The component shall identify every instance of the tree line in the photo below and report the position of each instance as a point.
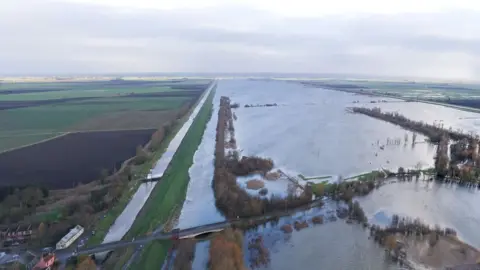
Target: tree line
(226, 251)
(232, 200)
(433, 132)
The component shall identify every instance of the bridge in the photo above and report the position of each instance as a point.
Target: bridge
(146, 180)
(180, 234)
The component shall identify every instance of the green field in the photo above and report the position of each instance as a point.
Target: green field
(107, 104)
(410, 89)
(58, 117)
(100, 92)
(169, 192)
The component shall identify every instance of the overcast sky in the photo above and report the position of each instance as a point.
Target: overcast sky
(408, 38)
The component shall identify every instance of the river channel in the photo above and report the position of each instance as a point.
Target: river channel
(310, 132)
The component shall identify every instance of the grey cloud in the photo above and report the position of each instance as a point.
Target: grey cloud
(56, 37)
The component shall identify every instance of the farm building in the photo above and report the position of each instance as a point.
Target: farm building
(70, 237)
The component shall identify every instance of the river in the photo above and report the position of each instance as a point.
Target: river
(310, 132)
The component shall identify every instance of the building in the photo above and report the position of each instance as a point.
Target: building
(17, 234)
(46, 262)
(70, 237)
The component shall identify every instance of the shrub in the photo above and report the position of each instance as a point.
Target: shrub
(287, 228)
(300, 225)
(255, 184)
(317, 220)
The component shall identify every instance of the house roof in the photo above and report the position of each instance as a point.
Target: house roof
(45, 262)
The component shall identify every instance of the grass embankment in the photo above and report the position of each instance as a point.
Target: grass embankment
(140, 172)
(306, 178)
(366, 176)
(167, 194)
(319, 189)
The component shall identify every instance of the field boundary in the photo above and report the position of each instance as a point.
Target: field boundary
(61, 134)
(35, 143)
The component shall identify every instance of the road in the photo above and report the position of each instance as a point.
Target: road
(186, 233)
(191, 232)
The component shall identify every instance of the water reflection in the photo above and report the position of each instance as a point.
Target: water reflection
(311, 133)
(448, 205)
(330, 246)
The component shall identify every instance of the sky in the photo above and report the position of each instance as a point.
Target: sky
(408, 38)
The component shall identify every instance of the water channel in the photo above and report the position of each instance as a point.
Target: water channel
(127, 217)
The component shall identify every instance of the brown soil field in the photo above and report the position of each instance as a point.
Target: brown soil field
(26, 91)
(69, 160)
(6, 105)
(182, 93)
(127, 120)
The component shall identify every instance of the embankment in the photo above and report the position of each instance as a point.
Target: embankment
(119, 218)
(169, 192)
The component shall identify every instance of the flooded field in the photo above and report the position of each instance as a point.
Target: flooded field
(430, 113)
(447, 205)
(310, 132)
(199, 206)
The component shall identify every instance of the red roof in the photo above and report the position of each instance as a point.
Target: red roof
(45, 262)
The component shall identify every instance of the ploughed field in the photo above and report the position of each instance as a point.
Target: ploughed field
(60, 134)
(32, 112)
(71, 159)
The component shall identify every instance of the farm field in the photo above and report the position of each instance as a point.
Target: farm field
(71, 159)
(405, 89)
(29, 112)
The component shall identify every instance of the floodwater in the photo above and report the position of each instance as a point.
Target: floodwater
(447, 205)
(127, 217)
(337, 245)
(199, 206)
(435, 114)
(311, 133)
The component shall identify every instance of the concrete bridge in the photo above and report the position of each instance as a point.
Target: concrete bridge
(181, 234)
